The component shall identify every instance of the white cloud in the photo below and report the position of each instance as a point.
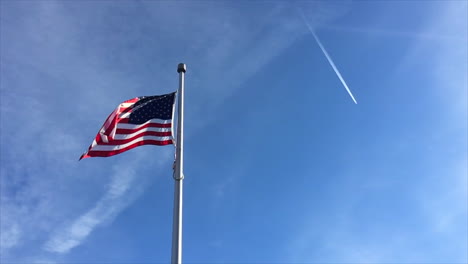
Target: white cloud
(10, 235)
(116, 198)
(438, 197)
(62, 73)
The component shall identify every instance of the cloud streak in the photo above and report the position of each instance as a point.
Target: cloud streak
(121, 192)
(437, 189)
(105, 210)
(111, 66)
(332, 64)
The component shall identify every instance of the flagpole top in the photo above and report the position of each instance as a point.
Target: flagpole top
(181, 67)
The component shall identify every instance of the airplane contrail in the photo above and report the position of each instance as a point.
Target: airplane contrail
(328, 57)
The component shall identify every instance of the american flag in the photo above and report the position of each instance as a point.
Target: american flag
(145, 120)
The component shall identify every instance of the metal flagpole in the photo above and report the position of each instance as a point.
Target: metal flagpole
(178, 173)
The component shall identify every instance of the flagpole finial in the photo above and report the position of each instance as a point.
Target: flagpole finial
(181, 67)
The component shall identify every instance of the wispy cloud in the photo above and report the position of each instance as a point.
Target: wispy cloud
(434, 195)
(81, 55)
(332, 64)
(392, 33)
(118, 195)
(41, 177)
(10, 235)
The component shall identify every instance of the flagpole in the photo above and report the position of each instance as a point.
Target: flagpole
(176, 257)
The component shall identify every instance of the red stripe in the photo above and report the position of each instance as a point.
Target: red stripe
(115, 152)
(118, 111)
(126, 119)
(125, 141)
(130, 131)
(133, 100)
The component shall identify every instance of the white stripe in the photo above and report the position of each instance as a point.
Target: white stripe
(126, 105)
(155, 129)
(117, 147)
(172, 125)
(117, 110)
(126, 114)
(136, 126)
(108, 121)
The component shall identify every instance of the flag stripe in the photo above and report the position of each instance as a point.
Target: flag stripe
(151, 123)
(103, 147)
(126, 138)
(114, 116)
(132, 131)
(107, 153)
(125, 120)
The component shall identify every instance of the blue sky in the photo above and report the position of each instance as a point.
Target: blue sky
(281, 166)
